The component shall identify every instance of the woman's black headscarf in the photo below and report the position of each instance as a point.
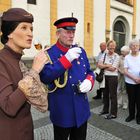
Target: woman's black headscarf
(6, 29)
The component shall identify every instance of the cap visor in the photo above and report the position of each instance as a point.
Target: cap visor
(69, 28)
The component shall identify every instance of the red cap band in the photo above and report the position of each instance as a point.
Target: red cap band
(66, 24)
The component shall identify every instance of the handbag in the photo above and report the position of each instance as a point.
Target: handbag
(100, 76)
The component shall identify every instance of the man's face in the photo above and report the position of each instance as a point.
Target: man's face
(103, 46)
(66, 37)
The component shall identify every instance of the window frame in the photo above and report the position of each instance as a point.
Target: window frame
(125, 2)
(118, 35)
(31, 1)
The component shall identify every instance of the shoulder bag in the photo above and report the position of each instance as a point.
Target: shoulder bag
(100, 76)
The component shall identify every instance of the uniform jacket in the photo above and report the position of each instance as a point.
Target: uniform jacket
(15, 117)
(67, 106)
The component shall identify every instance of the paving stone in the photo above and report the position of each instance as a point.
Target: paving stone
(93, 133)
(98, 127)
(122, 115)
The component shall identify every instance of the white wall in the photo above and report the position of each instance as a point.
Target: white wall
(65, 8)
(138, 20)
(19, 4)
(99, 24)
(41, 13)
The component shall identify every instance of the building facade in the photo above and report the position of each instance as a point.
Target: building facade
(99, 20)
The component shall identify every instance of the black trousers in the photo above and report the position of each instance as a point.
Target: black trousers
(110, 95)
(133, 92)
(73, 133)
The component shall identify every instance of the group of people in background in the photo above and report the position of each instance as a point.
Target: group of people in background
(121, 79)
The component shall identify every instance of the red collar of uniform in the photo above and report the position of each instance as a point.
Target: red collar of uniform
(61, 47)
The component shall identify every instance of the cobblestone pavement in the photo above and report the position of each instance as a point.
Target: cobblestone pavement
(98, 127)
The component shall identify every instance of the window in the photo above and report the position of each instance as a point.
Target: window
(128, 2)
(31, 1)
(124, 1)
(88, 27)
(119, 35)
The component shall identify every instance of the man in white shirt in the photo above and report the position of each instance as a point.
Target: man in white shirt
(100, 90)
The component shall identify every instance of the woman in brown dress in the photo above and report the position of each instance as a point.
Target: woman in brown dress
(15, 116)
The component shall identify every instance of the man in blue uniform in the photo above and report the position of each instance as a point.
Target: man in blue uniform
(69, 78)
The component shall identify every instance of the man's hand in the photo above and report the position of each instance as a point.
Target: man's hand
(85, 86)
(73, 53)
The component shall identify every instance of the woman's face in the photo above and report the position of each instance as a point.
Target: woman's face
(134, 47)
(21, 37)
(111, 48)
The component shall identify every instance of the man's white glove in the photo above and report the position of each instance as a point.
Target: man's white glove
(73, 53)
(85, 86)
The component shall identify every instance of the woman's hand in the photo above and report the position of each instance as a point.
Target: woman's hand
(39, 61)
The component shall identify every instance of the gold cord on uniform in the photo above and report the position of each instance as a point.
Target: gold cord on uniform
(56, 82)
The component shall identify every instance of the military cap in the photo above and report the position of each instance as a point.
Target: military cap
(68, 23)
(18, 15)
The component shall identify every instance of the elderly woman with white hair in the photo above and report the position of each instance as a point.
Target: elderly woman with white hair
(132, 80)
(122, 96)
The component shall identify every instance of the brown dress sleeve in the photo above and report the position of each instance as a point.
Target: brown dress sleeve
(33, 89)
